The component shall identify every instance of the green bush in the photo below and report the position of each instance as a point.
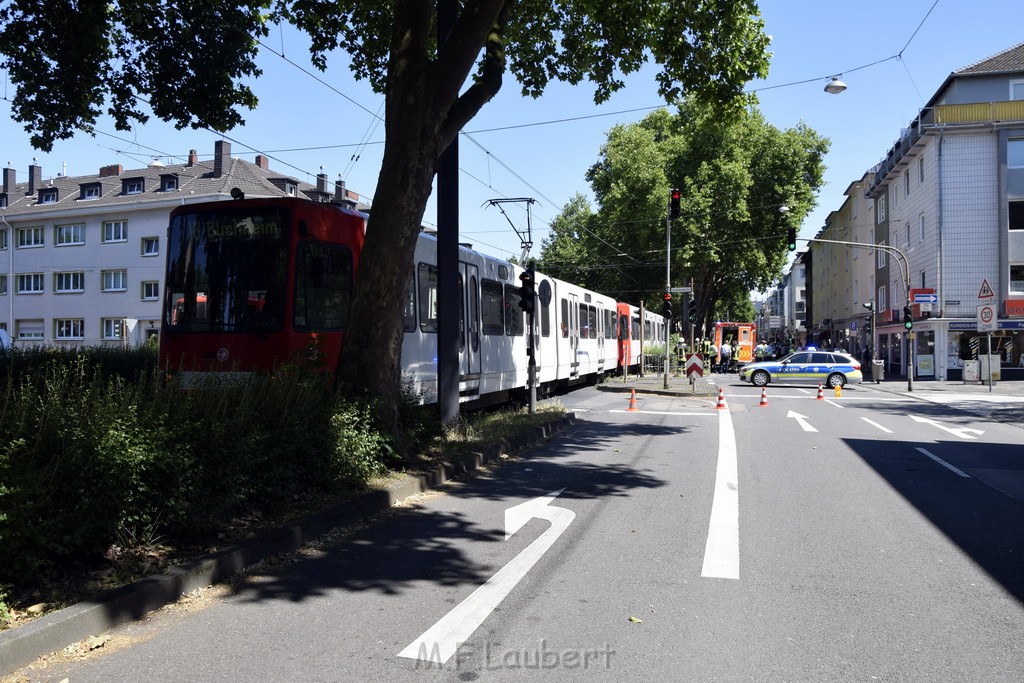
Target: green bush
(94, 450)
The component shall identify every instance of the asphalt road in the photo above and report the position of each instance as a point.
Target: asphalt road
(867, 536)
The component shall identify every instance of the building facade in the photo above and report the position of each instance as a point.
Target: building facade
(82, 258)
(949, 202)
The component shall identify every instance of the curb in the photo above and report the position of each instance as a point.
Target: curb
(23, 645)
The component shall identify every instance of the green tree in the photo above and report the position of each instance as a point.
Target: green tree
(188, 61)
(734, 172)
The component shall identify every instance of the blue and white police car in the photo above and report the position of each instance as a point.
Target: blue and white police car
(831, 368)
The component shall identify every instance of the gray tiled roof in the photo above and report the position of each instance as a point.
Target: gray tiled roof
(196, 181)
(1009, 60)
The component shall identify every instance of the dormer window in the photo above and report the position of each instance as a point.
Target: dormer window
(133, 186)
(89, 191)
(48, 196)
(168, 182)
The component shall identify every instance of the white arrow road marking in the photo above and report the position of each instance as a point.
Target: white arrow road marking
(801, 420)
(722, 550)
(441, 640)
(875, 424)
(944, 463)
(962, 432)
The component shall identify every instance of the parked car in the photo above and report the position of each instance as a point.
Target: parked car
(831, 368)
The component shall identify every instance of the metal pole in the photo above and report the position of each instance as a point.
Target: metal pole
(668, 285)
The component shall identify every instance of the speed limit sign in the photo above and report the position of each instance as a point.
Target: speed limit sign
(987, 318)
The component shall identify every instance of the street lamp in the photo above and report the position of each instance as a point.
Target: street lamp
(835, 86)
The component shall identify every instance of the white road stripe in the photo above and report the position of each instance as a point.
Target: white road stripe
(831, 402)
(945, 464)
(722, 550)
(875, 424)
(655, 412)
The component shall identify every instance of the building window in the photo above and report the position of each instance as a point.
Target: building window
(89, 192)
(3, 239)
(132, 186)
(1016, 215)
(3, 284)
(113, 328)
(290, 189)
(920, 169)
(65, 283)
(168, 183)
(48, 196)
(28, 329)
(922, 280)
(115, 231)
(920, 221)
(150, 246)
(69, 329)
(881, 299)
(1017, 90)
(30, 283)
(895, 194)
(69, 234)
(1015, 153)
(880, 208)
(151, 290)
(30, 237)
(1017, 278)
(114, 280)
(881, 255)
(906, 183)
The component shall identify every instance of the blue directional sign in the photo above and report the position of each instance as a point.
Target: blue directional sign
(926, 298)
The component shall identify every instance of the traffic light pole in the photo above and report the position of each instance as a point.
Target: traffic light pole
(904, 265)
(668, 284)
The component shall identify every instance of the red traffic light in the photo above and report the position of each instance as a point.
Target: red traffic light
(666, 296)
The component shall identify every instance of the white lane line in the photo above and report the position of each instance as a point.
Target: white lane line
(722, 550)
(831, 402)
(875, 424)
(945, 464)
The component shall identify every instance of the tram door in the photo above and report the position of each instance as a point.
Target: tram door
(574, 335)
(469, 322)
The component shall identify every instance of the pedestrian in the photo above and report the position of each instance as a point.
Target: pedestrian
(725, 357)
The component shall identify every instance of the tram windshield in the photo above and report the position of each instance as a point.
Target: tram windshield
(227, 270)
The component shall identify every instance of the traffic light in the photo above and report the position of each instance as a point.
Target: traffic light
(867, 327)
(666, 306)
(870, 305)
(908, 317)
(791, 238)
(674, 205)
(527, 293)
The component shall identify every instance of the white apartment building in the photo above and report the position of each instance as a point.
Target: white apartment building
(82, 258)
(949, 196)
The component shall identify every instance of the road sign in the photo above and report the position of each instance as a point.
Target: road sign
(986, 290)
(694, 365)
(680, 290)
(987, 318)
(926, 298)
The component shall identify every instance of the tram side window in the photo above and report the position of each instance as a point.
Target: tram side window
(323, 287)
(565, 319)
(623, 328)
(545, 318)
(492, 305)
(427, 290)
(514, 326)
(592, 321)
(409, 324)
(609, 324)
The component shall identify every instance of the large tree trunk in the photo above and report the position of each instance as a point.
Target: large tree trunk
(423, 113)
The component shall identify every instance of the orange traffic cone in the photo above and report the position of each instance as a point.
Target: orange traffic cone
(821, 393)
(764, 397)
(721, 399)
(632, 402)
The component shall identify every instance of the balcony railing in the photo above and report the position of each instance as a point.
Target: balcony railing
(948, 116)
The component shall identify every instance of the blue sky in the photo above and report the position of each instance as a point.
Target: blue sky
(521, 147)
